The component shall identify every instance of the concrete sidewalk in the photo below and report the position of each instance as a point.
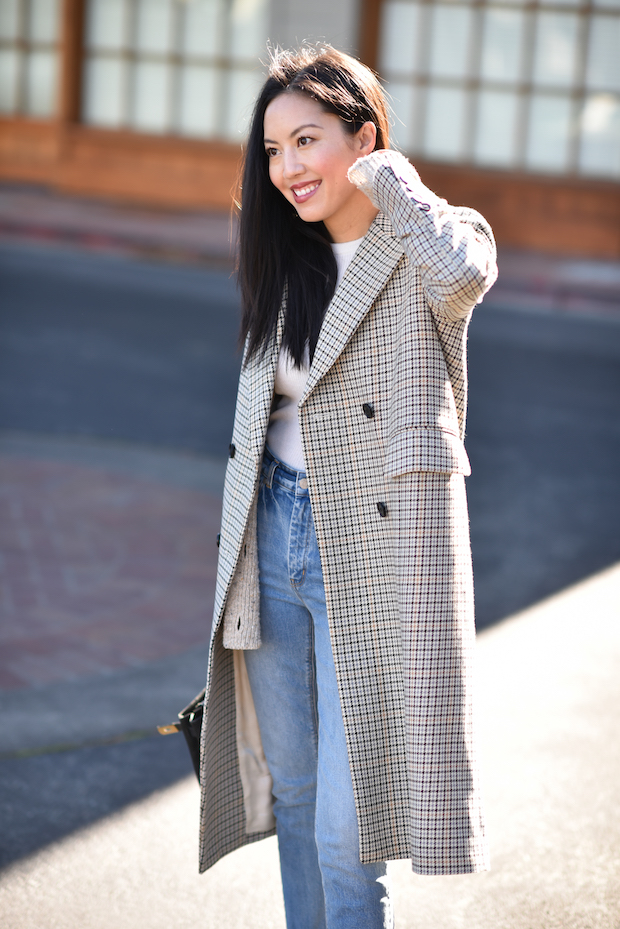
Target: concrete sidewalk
(548, 717)
(29, 213)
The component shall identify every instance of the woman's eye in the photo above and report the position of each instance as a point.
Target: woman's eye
(304, 139)
(270, 152)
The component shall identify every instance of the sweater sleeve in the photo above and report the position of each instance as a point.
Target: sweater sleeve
(453, 247)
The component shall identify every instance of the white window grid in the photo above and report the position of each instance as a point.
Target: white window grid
(175, 67)
(542, 96)
(29, 57)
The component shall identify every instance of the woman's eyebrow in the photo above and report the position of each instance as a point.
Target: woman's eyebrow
(295, 131)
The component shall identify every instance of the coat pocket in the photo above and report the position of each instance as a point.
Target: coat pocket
(426, 448)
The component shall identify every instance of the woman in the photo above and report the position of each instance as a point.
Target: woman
(339, 689)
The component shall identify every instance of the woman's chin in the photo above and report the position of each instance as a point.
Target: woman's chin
(308, 213)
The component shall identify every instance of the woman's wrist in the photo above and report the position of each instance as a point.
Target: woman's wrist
(363, 172)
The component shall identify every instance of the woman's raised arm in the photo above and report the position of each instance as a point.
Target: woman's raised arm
(453, 247)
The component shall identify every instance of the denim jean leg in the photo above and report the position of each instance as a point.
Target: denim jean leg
(293, 680)
(282, 678)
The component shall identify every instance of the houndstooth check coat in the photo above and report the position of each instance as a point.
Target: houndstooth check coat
(382, 421)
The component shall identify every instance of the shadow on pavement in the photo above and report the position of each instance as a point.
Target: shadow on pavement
(49, 796)
(544, 442)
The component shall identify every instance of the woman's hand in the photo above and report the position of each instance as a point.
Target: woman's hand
(362, 172)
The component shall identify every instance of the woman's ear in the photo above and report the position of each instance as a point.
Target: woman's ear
(366, 139)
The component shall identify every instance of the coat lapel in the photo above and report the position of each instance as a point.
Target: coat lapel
(365, 277)
(261, 380)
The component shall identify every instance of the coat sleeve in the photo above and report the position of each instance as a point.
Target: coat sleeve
(453, 247)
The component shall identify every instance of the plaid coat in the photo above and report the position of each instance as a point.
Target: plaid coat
(382, 421)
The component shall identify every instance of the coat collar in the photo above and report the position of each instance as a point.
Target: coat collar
(364, 279)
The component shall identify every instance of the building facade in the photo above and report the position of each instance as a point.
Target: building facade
(512, 106)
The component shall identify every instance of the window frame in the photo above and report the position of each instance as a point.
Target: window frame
(526, 90)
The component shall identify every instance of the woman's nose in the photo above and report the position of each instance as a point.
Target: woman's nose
(292, 165)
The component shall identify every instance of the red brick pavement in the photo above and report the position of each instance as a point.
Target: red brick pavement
(99, 570)
(174, 235)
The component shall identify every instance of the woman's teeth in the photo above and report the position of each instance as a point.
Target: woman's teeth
(302, 191)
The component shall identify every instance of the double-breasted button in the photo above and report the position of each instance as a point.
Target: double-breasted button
(369, 410)
(231, 450)
(382, 509)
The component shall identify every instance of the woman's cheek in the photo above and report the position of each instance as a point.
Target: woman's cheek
(273, 175)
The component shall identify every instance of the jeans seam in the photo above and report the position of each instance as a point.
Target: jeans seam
(312, 686)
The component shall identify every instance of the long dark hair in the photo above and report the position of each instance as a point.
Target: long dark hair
(276, 248)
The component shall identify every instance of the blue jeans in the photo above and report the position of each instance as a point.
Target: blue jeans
(293, 681)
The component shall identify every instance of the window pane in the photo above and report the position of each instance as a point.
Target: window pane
(603, 72)
(402, 99)
(400, 24)
(150, 104)
(104, 92)
(154, 25)
(248, 23)
(450, 41)
(242, 89)
(445, 110)
(548, 135)
(202, 27)
(197, 111)
(496, 132)
(556, 49)
(44, 20)
(106, 24)
(9, 19)
(600, 136)
(502, 43)
(41, 84)
(9, 63)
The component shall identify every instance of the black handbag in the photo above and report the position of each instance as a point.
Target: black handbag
(190, 724)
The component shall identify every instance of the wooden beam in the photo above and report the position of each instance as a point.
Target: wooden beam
(71, 49)
(369, 32)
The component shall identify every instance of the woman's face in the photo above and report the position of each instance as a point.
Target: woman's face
(309, 153)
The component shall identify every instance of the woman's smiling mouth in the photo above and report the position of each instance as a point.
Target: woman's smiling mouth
(303, 193)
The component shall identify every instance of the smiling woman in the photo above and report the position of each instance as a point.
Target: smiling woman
(308, 164)
(339, 694)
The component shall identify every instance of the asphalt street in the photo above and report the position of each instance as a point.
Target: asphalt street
(130, 367)
(107, 347)
(145, 354)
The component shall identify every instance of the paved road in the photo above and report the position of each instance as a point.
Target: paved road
(145, 354)
(116, 349)
(121, 376)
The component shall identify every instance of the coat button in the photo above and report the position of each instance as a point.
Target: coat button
(217, 539)
(369, 410)
(382, 509)
(231, 450)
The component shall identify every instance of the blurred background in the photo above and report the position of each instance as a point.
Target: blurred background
(121, 126)
(511, 106)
